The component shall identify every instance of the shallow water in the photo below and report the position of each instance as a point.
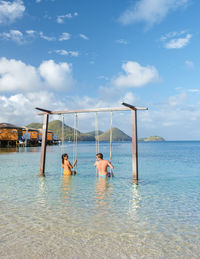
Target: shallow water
(86, 217)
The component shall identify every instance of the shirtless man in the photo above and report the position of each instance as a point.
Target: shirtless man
(102, 165)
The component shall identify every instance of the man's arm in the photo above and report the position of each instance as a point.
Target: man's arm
(110, 165)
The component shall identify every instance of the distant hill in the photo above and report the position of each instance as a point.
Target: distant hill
(117, 135)
(152, 138)
(93, 133)
(56, 127)
(35, 125)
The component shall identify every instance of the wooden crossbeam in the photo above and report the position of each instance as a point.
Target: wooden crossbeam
(89, 110)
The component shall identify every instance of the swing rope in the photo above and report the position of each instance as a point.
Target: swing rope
(111, 117)
(110, 136)
(96, 137)
(75, 139)
(96, 133)
(62, 139)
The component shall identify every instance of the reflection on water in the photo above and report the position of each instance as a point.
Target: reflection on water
(136, 199)
(66, 185)
(103, 190)
(9, 150)
(19, 149)
(42, 190)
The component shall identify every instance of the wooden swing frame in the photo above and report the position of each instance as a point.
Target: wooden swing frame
(127, 107)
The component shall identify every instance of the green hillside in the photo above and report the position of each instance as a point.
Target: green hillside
(93, 133)
(35, 125)
(56, 127)
(117, 135)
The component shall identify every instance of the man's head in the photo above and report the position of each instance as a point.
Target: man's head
(99, 156)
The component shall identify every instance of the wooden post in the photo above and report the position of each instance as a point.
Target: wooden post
(134, 145)
(44, 144)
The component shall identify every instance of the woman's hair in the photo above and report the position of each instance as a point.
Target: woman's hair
(99, 155)
(63, 157)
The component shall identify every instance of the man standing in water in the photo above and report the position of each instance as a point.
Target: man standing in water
(102, 165)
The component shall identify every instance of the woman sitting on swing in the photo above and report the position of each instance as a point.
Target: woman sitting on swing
(66, 165)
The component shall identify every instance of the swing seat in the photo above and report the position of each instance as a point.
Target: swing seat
(110, 174)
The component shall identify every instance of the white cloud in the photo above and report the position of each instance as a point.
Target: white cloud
(179, 42)
(103, 77)
(189, 64)
(18, 76)
(11, 11)
(83, 36)
(122, 41)
(150, 11)
(136, 75)
(13, 35)
(129, 97)
(20, 108)
(42, 36)
(172, 34)
(73, 53)
(167, 119)
(175, 119)
(12, 76)
(63, 52)
(64, 36)
(21, 38)
(61, 18)
(31, 33)
(177, 99)
(56, 76)
(194, 90)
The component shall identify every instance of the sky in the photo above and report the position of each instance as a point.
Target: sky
(74, 54)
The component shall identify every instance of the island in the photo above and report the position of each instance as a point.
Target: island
(152, 138)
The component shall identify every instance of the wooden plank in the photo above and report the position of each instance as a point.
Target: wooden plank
(44, 144)
(43, 110)
(133, 107)
(92, 110)
(134, 145)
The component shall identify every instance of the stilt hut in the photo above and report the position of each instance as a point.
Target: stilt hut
(50, 137)
(31, 136)
(9, 134)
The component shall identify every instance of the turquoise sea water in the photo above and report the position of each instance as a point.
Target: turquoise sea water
(86, 217)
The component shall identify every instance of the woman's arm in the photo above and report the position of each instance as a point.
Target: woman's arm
(75, 162)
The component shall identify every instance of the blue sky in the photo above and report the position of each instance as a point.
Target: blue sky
(75, 54)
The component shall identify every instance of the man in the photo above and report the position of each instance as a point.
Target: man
(102, 165)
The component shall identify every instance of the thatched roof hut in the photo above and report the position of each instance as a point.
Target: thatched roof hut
(9, 126)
